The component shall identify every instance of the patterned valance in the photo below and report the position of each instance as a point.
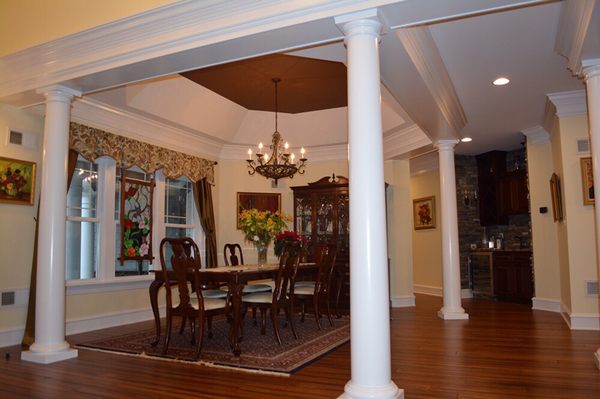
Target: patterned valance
(93, 143)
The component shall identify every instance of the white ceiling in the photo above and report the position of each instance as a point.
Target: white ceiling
(437, 61)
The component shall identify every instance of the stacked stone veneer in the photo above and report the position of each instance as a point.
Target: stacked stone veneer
(470, 230)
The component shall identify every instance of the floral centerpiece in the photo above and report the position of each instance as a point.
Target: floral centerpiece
(260, 227)
(287, 236)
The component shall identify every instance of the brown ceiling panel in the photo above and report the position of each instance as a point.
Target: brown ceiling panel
(306, 84)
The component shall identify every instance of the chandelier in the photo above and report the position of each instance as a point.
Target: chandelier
(281, 163)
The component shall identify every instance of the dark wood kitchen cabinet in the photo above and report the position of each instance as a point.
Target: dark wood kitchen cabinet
(513, 195)
(513, 276)
(321, 214)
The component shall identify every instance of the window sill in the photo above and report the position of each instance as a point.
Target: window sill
(92, 286)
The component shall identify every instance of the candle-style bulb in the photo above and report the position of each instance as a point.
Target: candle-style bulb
(302, 152)
(292, 157)
(286, 146)
(266, 158)
(249, 154)
(260, 146)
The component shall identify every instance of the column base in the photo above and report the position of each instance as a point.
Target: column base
(355, 391)
(39, 354)
(446, 314)
(597, 358)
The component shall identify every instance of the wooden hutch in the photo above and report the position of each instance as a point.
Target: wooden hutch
(321, 214)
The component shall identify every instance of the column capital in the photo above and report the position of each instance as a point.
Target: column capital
(591, 68)
(58, 93)
(448, 144)
(362, 22)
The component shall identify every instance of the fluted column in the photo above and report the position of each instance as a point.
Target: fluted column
(592, 83)
(369, 293)
(50, 345)
(451, 309)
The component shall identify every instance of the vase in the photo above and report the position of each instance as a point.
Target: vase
(262, 253)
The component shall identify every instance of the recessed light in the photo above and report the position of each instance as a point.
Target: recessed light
(501, 81)
(466, 139)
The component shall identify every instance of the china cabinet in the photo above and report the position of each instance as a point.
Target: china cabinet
(321, 215)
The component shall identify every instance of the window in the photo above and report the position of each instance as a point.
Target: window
(179, 208)
(82, 223)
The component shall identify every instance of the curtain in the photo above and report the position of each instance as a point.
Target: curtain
(29, 335)
(204, 206)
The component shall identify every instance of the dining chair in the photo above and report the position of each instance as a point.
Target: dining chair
(182, 297)
(282, 296)
(318, 290)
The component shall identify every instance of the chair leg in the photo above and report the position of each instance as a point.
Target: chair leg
(316, 310)
(254, 315)
(275, 325)
(289, 315)
(327, 301)
(193, 328)
(200, 336)
(210, 332)
(182, 328)
(168, 334)
(302, 314)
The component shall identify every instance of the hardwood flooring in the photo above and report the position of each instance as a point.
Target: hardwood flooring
(503, 351)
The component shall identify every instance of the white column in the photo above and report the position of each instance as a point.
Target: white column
(369, 296)
(50, 345)
(451, 309)
(592, 83)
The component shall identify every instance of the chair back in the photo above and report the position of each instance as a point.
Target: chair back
(185, 263)
(233, 254)
(286, 274)
(326, 269)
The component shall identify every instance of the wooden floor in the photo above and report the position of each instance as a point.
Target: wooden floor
(503, 351)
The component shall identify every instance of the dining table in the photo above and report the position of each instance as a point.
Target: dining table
(235, 277)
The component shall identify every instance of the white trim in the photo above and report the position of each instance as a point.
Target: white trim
(403, 301)
(536, 134)
(572, 32)
(125, 123)
(427, 290)
(10, 337)
(397, 143)
(21, 297)
(569, 103)
(584, 321)
(324, 153)
(78, 287)
(76, 326)
(549, 305)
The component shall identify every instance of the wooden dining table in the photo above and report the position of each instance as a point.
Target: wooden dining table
(235, 277)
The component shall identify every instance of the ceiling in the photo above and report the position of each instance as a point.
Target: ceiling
(437, 61)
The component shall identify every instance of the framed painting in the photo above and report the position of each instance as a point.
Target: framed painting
(587, 181)
(424, 213)
(17, 181)
(261, 201)
(555, 192)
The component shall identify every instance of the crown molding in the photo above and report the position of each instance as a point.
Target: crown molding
(423, 52)
(398, 143)
(536, 134)
(424, 163)
(128, 124)
(573, 27)
(166, 31)
(569, 103)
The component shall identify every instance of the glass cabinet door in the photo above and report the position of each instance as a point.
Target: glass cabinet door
(325, 218)
(303, 212)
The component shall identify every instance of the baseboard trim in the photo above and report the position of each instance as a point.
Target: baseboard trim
(10, 337)
(580, 321)
(549, 305)
(403, 301)
(465, 293)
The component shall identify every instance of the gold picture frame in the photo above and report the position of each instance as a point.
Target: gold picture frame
(17, 181)
(424, 213)
(555, 192)
(587, 181)
(261, 201)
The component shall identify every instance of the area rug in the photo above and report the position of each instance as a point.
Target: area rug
(259, 352)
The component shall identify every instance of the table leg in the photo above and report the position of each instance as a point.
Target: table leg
(235, 291)
(153, 291)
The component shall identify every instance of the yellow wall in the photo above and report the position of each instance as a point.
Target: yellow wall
(399, 228)
(544, 232)
(26, 23)
(427, 244)
(17, 221)
(579, 218)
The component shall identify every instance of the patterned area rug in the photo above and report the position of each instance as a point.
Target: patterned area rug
(259, 352)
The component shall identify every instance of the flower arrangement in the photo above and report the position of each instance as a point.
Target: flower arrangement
(12, 182)
(287, 236)
(260, 227)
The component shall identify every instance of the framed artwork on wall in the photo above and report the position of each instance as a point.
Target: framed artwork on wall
(555, 192)
(424, 213)
(17, 181)
(261, 201)
(587, 181)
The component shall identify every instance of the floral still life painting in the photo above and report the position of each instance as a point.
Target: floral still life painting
(17, 181)
(424, 213)
(136, 220)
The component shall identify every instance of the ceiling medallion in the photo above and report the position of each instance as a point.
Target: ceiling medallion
(281, 163)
